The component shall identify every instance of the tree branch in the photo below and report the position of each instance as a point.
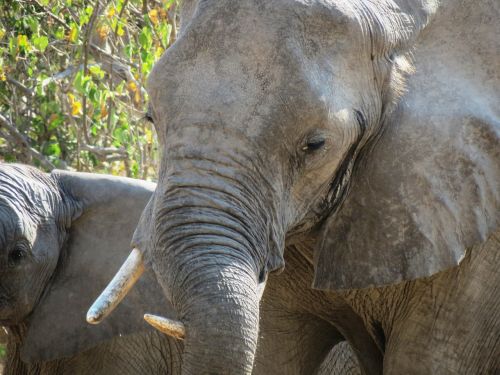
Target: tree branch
(86, 40)
(107, 153)
(22, 141)
(27, 91)
(52, 15)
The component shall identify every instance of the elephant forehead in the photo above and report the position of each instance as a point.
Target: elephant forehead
(18, 221)
(27, 199)
(237, 60)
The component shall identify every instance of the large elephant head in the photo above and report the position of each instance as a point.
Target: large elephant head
(278, 121)
(62, 236)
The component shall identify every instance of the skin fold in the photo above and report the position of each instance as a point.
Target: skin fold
(351, 146)
(87, 205)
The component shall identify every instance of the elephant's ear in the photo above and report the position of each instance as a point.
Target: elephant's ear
(98, 243)
(429, 188)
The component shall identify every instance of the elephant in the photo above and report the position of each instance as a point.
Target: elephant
(86, 217)
(63, 235)
(340, 360)
(359, 139)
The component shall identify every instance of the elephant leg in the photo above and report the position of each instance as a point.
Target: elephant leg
(292, 343)
(340, 360)
(310, 322)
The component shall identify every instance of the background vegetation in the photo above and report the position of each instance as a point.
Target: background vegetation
(72, 77)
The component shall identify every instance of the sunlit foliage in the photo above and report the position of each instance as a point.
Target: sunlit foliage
(72, 78)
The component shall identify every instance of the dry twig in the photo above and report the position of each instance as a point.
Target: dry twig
(23, 142)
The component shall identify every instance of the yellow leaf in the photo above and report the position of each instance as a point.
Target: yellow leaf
(76, 108)
(137, 97)
(111, 12)
(73, 34)
(22, 41)
(153, 16)
(3, 77)
(104, 111)
(103, 32)
(120, 31)
(132, 87)
(2, 33)
(159, 51)
(149, 136)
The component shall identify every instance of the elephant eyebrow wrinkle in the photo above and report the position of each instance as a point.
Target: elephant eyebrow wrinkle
(340, 184)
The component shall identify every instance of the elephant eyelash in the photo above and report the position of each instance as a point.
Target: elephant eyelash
(314, 145)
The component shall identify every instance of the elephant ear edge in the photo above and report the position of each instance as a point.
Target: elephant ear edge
(428, 188)
(98, 242)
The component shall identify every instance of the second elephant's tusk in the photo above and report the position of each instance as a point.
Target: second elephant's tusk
(170, 327)
(117, 289)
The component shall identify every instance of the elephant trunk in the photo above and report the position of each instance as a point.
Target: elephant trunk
(208, 255)
(221, 317)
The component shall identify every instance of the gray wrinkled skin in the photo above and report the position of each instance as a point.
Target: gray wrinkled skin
(51, 335)
(62, 237)
(359, 138)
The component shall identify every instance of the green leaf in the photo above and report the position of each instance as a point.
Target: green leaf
(82, 83)
(59, 33)
(41, 43)
(52, 149)
(145, 38)
(97, 71)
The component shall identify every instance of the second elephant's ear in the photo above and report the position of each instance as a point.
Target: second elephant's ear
(429, 188)
(98, 243)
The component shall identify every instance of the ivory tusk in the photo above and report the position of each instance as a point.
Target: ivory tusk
(261, 287)
(117, 289)
(170, 327)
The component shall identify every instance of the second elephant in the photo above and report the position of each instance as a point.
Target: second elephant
(63, 235)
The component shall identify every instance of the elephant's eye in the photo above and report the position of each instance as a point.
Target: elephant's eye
(314, 144)
(17, 254)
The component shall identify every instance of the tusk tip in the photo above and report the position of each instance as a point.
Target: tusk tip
(94, 317)
(115, 291)
(168, 326)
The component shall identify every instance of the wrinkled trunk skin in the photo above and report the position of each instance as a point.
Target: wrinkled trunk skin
(205, 256)
(222, 326)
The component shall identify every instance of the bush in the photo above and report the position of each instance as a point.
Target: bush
(72, 77)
